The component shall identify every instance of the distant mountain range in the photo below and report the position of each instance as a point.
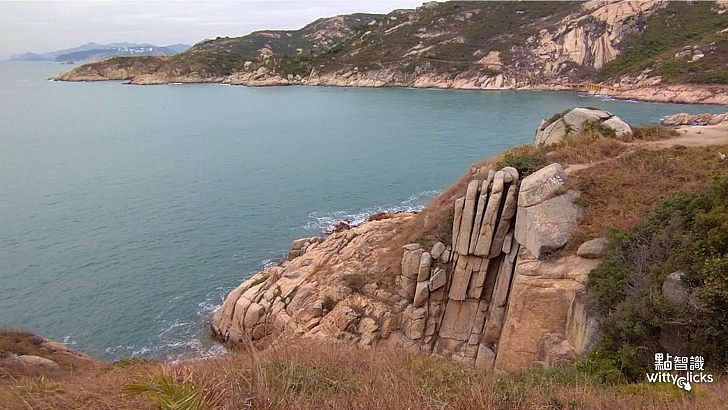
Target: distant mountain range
(91, 52)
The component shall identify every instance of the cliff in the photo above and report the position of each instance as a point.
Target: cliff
(647, 50)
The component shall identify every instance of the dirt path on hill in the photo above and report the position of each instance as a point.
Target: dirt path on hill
(690, 136)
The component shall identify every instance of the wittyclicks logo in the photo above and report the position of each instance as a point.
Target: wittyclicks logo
(667, 365)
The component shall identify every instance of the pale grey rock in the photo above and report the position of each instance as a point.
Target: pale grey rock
(414, 322)
(253, 315)
(412, 247)
(423, 272)
(543, 184)
(582, 325)
(466, 222)
(493, 325)
(411, 263)
(547, 226)
(578, 116)
(485, 358)
(490, 217)
(507, 242)
(479, 267)
(408, 286)
(482, 200)
(421, 293)
(593, 249)
(504, 223)
(438, 279)
(35, 361)
(552, 133)
(461, 279)
(503, 281)
(457, 321)
(457, 219)
(513, 173)
(437, 250)
(555, 351)
(621, 129)
(574, 123)
(446, 255)
(675, 289)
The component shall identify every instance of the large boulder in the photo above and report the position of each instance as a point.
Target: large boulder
(543, 184)
(675, 289)
(546, 227)
(575, 122)
(593, 249)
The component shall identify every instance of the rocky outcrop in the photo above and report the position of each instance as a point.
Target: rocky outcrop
(575, 122)
(483, 299)
(651, 89)
(546, 213)
(694, 119)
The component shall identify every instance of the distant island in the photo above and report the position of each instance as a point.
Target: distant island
(92, 52)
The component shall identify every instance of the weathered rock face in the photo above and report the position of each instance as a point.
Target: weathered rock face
(575, 123)
(546, 214)
(540, 300)
(485, 299)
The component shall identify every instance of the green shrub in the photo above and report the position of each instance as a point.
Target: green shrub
(600, 129)
(526, 160)
(557, 116)
(687, 233)
(652, 132)
(328, 304)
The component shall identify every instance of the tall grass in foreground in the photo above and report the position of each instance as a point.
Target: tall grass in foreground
(315, 375)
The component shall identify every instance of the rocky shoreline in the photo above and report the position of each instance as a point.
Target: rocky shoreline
(655, 92)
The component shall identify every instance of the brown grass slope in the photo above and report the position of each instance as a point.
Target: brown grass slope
(315, 375)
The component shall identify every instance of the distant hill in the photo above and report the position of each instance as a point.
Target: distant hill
(647, 50)
(91, 52)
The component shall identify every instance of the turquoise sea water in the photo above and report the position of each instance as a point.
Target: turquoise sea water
(128, 212)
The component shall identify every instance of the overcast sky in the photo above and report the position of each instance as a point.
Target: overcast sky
(41, 26)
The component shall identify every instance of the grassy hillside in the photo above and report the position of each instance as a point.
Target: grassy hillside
(665, 34)
(316, 36)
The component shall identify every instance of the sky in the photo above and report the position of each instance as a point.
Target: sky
(42, 26)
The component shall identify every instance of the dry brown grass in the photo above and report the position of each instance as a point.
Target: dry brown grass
(587, 148)
(653, 132)
(315, 375)
(20, 342)
(621, 192)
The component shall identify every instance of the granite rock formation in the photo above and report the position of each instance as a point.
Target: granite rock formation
(488, 297)
(575, 122)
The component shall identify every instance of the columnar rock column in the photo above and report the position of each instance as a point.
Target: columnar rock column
(454, 297)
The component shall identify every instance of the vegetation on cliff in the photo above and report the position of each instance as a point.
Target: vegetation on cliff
(669, 42)
(687, 234)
